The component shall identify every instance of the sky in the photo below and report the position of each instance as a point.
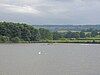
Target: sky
(50, 11)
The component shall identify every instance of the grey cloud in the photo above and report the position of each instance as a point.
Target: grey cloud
(51, 11)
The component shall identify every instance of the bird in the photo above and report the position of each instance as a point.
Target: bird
(39, 53)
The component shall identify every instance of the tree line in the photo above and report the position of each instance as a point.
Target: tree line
(76, 35)
(16, 32)
(20, 32)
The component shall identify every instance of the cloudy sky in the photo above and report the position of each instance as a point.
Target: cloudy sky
(51, 11)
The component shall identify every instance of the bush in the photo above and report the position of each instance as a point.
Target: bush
(16, 40)
(4, 39)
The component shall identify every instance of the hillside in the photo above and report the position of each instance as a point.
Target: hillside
(68, 27)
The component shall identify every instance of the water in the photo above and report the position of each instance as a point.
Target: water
(49, 59)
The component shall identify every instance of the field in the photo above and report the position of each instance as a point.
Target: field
(73, 40)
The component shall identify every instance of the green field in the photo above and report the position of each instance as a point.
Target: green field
(86, 40)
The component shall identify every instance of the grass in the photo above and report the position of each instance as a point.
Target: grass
(81, 40)
(66, 40)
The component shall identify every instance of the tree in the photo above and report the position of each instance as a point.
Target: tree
(94, 33)
(16, 40)
(45, 34)
(72, 35)
(25, 34)
(36, 35)
(82, 34)
(76, 35)
(56, 35)
(68, 34)
(88, 35)
(4, 39)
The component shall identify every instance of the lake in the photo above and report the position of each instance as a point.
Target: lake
(49, 59)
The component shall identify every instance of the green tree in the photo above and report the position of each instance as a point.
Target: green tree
(15, 40)
(76, 35)
(82, 34)
(56, 35)
(72, 35)
(25, 34)
(94, 33)
(4, 39)
(45, 34)
(68, 34)
(88, 35)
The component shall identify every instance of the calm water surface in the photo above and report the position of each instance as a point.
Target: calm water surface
(49, 59)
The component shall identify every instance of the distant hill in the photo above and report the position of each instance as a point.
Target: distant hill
(68, 27)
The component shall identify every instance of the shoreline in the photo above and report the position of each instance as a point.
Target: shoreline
(55, 43)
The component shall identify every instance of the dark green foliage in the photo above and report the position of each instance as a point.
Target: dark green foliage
(94, 33)
(82, 34)
(72, 35)
(93, 41)
(4, 39)
(68, 35)
(36, 35)
(16, 31)
(15, 40)
(88, 35)
(45, 34)
(56, 36)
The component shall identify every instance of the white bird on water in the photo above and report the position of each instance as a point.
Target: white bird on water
(39, 53)
(42, 53)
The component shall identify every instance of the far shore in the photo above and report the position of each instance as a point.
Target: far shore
(52, 42)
